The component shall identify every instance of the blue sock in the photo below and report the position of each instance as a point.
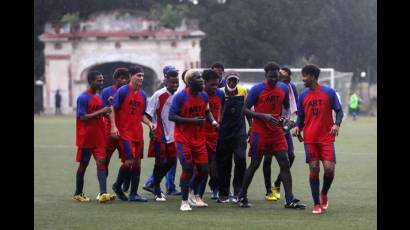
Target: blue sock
(102, 177)
(314, 187)
(79, 179)
(135, 180)
(122, 175)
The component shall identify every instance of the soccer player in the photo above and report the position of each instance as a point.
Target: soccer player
(315, 106)
(219, 69)
(188, 110)
(274, 194)
(216, 99)
(121, 77)
(90, 137)
(267, 137)
(170, 176)
(129, 104)
(232, 139)
(162, 145)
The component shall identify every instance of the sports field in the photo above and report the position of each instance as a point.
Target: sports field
(352, 197)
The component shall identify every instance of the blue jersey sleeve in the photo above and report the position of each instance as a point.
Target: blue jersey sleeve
(301, 112)
(253, 95)
(177, 103)
(82, 104)
(221, 95)
(105, 95)
(119, 96)
(142, 92)
(284, 87)
(335, 104)
(204, 96)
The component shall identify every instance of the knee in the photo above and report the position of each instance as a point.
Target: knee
(329, 172)
(314, 169)
(291, 156)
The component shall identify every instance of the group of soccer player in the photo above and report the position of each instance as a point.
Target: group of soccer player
(203, 125)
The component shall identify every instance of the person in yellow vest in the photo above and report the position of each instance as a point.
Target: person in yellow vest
(354, 106)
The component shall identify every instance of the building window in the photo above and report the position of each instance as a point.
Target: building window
(174, 44)
(193, 43)
(58, 46)
(117, 45)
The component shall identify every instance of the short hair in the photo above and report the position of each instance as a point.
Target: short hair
(183, 75)
(190, 74)
(120, 72)
(171, 73)
(208, 75)
(217, 65)
(92, 75)
(271, 66)
(135, 69)
(311, 70)
(287, 70)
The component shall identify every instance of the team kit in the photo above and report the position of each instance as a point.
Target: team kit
(203, 126)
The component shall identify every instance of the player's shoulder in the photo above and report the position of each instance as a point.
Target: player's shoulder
(328, 89)
(304, 92)
(220, 92)
(282, 86)
(84, 96)
(204, 95)
(258, 87)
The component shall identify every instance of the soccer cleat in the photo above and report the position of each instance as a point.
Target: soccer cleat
(276, 191)
(270, 197)
(81, 198)
(105, 197)
(214, 195)
(235, 199)
(185, 206)
(118, 191)
(222, 199)
(199, 202)
(317, 209)
(137, 198)
(174, 193)
(324, 203)
(244, 203)
(160, 198)
(295, 205)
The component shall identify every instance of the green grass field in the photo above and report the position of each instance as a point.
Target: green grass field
(352, 197)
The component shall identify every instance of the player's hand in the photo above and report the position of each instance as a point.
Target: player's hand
(215, 124)
(106, 110)
(270, 119)
(109, 100)
(335, 130)
(198, 120)
(128, 163)
(295, 131)
(152, 135)
(114, 132)
(152, 126)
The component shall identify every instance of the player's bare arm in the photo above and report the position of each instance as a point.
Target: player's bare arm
(113, 129)
(147, 121)
(89, 116)
(262, 116)
(193, 120)
(210, 117)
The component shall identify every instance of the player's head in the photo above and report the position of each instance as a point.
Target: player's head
(232, 80)
(310, 75)
(136, 75)
(211, 79)
(218, 68)
(172, 81)
(95, 80)
(121, 76)
(194, 80)
(167, 69)
(272, 73)
(284, 75)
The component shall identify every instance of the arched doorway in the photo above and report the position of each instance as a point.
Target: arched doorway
(107, 69)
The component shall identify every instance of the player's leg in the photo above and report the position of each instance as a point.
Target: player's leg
(123, 171)
(200, 160)
(328, 157)
(312, 158)
(100, 159)
(137, 150)
(223, 158)
(239, 149)
(250, 171)
(291, 157)
(170, 181)
(185, 159)
(267, 162)
(83, 157)
(109, 150)
(154, 150)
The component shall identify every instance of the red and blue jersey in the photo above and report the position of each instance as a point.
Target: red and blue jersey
(315, 114)
(187, 105)
(269, 100)
(89, 133)
(106, 93)
(129, 105)
(215, 105)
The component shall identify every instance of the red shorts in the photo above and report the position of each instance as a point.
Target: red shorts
(260, 146)
(162, 150)
(84, 154)
(133, 149)
(112, 144)
(189, 154)
(320, 151)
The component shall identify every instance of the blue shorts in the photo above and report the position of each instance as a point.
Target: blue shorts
(289, 140)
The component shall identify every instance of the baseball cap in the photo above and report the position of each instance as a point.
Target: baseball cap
(168, 68)
(231, 74)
